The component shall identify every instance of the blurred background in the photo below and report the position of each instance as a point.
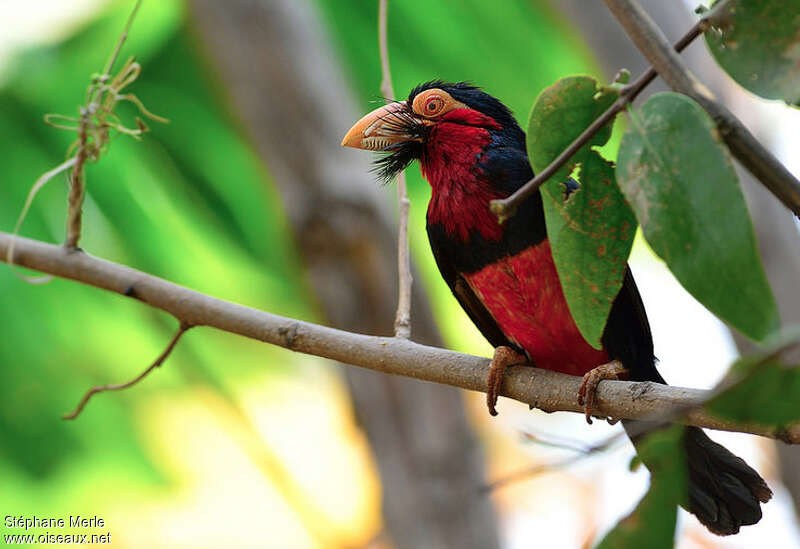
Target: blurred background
(246, 195)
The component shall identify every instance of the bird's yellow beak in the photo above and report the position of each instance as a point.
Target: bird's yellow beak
(382, 128)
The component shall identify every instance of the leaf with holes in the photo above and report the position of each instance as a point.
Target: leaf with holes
(652, 523)
(679, 179)
(590, 227)
(758, 43)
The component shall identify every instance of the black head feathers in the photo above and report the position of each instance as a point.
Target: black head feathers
(474, 98)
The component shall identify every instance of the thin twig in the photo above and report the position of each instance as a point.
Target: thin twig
(649, 39)
(77, 181)
(551, 441)
(122, 37)
(541, 468)
(506, 207)
(41, 182)
(546, 390)
(76, 188)
(120, 386)
(93, 126)
(402, 319)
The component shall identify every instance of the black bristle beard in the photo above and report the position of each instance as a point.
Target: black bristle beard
(400, 155)
(391, 164)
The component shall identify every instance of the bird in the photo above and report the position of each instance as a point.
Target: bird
(471, 150)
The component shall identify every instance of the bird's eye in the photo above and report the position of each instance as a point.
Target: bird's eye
(433, 103)
(433, 106)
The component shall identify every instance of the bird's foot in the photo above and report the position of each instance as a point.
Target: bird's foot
(503, 358)
(588, 391)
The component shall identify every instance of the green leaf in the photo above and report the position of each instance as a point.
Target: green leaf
(679, 179)
(763, 387)
(758, 43)
(591, 230)
(652, 523)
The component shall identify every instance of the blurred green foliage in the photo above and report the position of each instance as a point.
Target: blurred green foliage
(191, 203)
(652, 523)
(759, 387)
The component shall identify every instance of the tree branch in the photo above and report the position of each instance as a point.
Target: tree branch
(402, 320)
(506, 207)
(546, 390)
(649, 39)
(120, 386)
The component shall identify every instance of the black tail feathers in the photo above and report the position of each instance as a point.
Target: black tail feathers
(724, 492)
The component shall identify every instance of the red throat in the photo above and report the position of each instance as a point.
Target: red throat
(451, 164)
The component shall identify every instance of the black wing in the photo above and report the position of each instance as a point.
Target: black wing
(470, 302)
(627, 335)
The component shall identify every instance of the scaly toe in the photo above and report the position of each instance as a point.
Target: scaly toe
(503, 358)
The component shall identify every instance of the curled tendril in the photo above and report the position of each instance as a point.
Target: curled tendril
(95, 126)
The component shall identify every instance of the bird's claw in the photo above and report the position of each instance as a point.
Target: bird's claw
(503, 358)
(587, 394)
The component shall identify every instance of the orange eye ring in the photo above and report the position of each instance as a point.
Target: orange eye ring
(434, 102)
(433, 105)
